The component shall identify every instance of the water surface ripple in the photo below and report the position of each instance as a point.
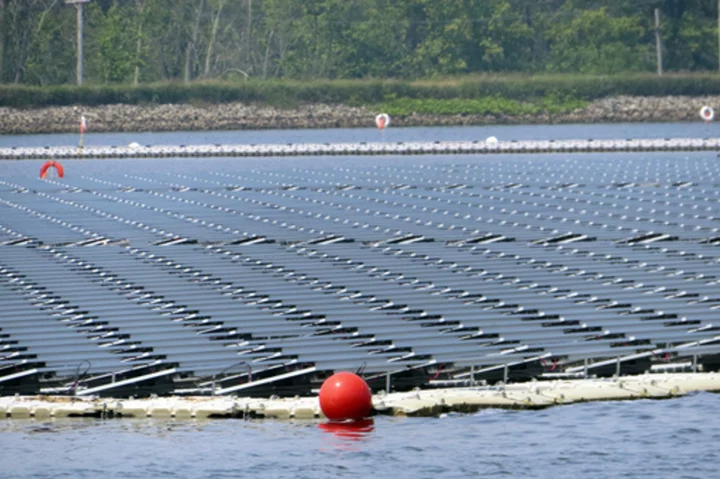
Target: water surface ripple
(631, 439)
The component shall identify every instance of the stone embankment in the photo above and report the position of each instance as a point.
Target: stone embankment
(239, 116)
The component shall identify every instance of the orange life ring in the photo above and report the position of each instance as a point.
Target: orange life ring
(382, 120)
(707, 113)
(52, 164)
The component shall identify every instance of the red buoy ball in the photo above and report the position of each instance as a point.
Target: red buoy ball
(345, 397)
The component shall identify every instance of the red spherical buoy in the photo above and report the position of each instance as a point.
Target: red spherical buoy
(345, 396)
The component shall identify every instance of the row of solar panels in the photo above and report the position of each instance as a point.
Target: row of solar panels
(171, 278)
(211, 215)
(342, 306)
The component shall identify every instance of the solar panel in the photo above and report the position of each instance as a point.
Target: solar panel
(387, 263)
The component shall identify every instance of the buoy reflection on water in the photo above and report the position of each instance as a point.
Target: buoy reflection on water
(353, 430)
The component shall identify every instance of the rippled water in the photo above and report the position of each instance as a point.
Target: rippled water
(340, 135)
(633, 439)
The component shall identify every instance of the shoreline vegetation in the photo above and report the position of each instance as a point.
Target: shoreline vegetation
(290, 104)
(404, 113)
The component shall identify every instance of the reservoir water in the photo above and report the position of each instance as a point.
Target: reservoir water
(674, 438)
(637, 439)
(370, 134)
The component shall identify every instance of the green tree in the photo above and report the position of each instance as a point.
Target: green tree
(165, 39)
(373, 43)
(51, 53)
(504, 39)
(21, 21)
(690, 35)
(446, 31)
(133, 41)
(114, 44)
(595, 42)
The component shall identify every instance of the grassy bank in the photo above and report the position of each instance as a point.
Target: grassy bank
(471, 94)
(478, 106)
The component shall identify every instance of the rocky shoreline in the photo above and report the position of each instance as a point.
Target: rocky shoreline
(239, 116)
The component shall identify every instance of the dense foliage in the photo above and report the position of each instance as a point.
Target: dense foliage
(463, 95)
(155, 41)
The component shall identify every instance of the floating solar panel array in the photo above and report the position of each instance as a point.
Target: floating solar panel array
(262, 276)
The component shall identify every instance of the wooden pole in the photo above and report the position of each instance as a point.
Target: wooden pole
(79, 43)
(658, 45)
(80, 56)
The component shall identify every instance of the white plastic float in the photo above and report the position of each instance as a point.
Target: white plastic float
(489, 146)
(431, 402)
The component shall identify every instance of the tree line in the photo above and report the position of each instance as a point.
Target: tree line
(145, 41)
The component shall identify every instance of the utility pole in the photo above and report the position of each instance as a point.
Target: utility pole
(79, 5)
(718, 34)
(658, 44)
(247, 35)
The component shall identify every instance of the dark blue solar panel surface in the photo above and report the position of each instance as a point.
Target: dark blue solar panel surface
(386, 262)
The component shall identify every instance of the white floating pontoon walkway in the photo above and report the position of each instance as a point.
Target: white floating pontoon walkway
(349, 149)
(530, 395)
